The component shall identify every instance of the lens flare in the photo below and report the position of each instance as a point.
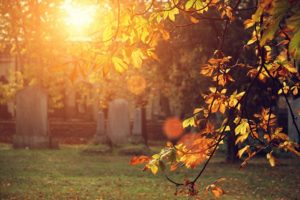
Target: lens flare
(78, 16)
(173, 128)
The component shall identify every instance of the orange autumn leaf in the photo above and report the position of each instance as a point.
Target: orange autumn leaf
(217, 191)
(194, 20)
(222, 79)
(173, 167)
(216, 100)
(136, 160)
(209, 128)
(267, 118)
(207, 70)
(249, 23)
(193, 149)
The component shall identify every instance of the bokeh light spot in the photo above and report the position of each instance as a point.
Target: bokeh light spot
(173, 128)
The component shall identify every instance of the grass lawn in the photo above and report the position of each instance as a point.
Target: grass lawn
(69, 173)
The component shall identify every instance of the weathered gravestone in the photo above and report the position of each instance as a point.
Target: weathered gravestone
(118, 126)
(100, 135)
(31, 119)
(293, 134)
(137, 129)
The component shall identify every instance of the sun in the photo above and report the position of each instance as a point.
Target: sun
(78, 16)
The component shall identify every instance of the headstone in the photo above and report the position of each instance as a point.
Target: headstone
(293, 134)
(100, 135)
(118, 126)
(137, 129)
(31, 119)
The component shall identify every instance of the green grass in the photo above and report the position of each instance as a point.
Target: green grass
(69, 173)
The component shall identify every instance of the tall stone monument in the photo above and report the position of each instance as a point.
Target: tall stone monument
(137, 129)
(31, 119)
(100, 135)
(118, 126)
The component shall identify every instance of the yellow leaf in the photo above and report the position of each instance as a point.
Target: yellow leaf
(251, 41)
(243, 150)
(156, 156)
(222, 108)
(137, 58)
(249, 23)
(295, 90)
(189, 4)
(119, 64)
(243, 128)
(154, 169)
(189, 122)
(107, 33)
(197, 110)
(171, 14)
(241, 138)
(213, 89)
(271, 159)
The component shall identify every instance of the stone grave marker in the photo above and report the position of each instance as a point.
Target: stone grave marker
(100, 135)
(31, 119)
(137, 129)
(118, 126)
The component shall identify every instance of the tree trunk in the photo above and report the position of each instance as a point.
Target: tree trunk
(232, 149)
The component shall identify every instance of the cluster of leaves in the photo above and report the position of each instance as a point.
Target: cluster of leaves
(8, 89)
(275, 40)
(52, 54)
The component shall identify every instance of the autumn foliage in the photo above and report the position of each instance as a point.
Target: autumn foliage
(275, 41)
(127, 38)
